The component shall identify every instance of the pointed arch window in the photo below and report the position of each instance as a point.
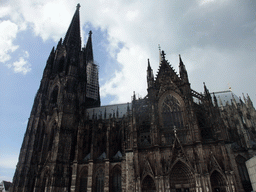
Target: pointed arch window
(100, 181)
(115, 182)
(54, 95)
(171, 112)
(83, 181)
(61, 64)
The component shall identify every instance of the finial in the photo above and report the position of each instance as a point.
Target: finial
(220, 101)
(134, 96)
(163, 55)
(244, 98)
(159, 47)
(175, 130)
(229, 87)
(78, 6)
(215, 100)
(90, 32)
(181, 62)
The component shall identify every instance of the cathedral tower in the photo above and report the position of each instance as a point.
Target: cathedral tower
(68, 86)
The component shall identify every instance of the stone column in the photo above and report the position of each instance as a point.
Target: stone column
(123, 176)
(161, 183)
(231, 185)
(138, 185)
(90, 176)
(198, 182)
(130, 172)
(106, 179)
(167, 183)
(74, 177)
(206, 183)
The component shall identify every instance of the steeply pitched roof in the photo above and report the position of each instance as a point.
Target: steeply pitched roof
(7, 185)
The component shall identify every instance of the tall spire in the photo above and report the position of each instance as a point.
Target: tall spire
(207, 93)
(73, 38)
(150, 75)
(88, 48)
(183, 71)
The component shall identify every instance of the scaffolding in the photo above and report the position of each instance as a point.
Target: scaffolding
(92, 88)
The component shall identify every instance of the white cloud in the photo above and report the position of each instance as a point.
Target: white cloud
(22, 65)
(8, 32)
(206, 32)
(210, 37)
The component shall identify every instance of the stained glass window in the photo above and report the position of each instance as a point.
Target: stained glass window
(172, 118)
(172, 113)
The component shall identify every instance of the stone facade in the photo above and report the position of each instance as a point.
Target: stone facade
(251, 167)
(174, 139)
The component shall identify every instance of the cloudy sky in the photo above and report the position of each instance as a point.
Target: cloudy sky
(216, 39)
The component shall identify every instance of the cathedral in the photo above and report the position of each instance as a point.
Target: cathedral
(172, 140)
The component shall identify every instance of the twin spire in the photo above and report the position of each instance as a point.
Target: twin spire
(163, 64)
(72, 39)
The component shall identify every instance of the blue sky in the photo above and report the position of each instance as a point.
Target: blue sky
(216, 39)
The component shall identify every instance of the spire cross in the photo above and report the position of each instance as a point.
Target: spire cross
(78, 6)
(90, 32)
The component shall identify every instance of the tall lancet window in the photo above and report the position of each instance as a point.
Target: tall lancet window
(100, 181)
(172, 119)
(83, 181)
(172, 113)
(115, 180)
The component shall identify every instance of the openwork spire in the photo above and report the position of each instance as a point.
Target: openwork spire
(88, 48)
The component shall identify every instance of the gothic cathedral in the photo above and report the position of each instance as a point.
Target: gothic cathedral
(172, 140)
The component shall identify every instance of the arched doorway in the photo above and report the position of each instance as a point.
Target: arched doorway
(148, 184)
(218, 182)
(181, 178)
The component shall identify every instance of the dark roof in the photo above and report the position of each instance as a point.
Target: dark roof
(7, 185)
(226, 97)
(104, 112)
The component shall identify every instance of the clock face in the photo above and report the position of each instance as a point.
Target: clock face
(171, 113)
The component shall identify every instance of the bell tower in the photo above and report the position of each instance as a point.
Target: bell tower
(69, 85)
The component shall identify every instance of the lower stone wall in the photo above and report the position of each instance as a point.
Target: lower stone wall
(251, 166)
